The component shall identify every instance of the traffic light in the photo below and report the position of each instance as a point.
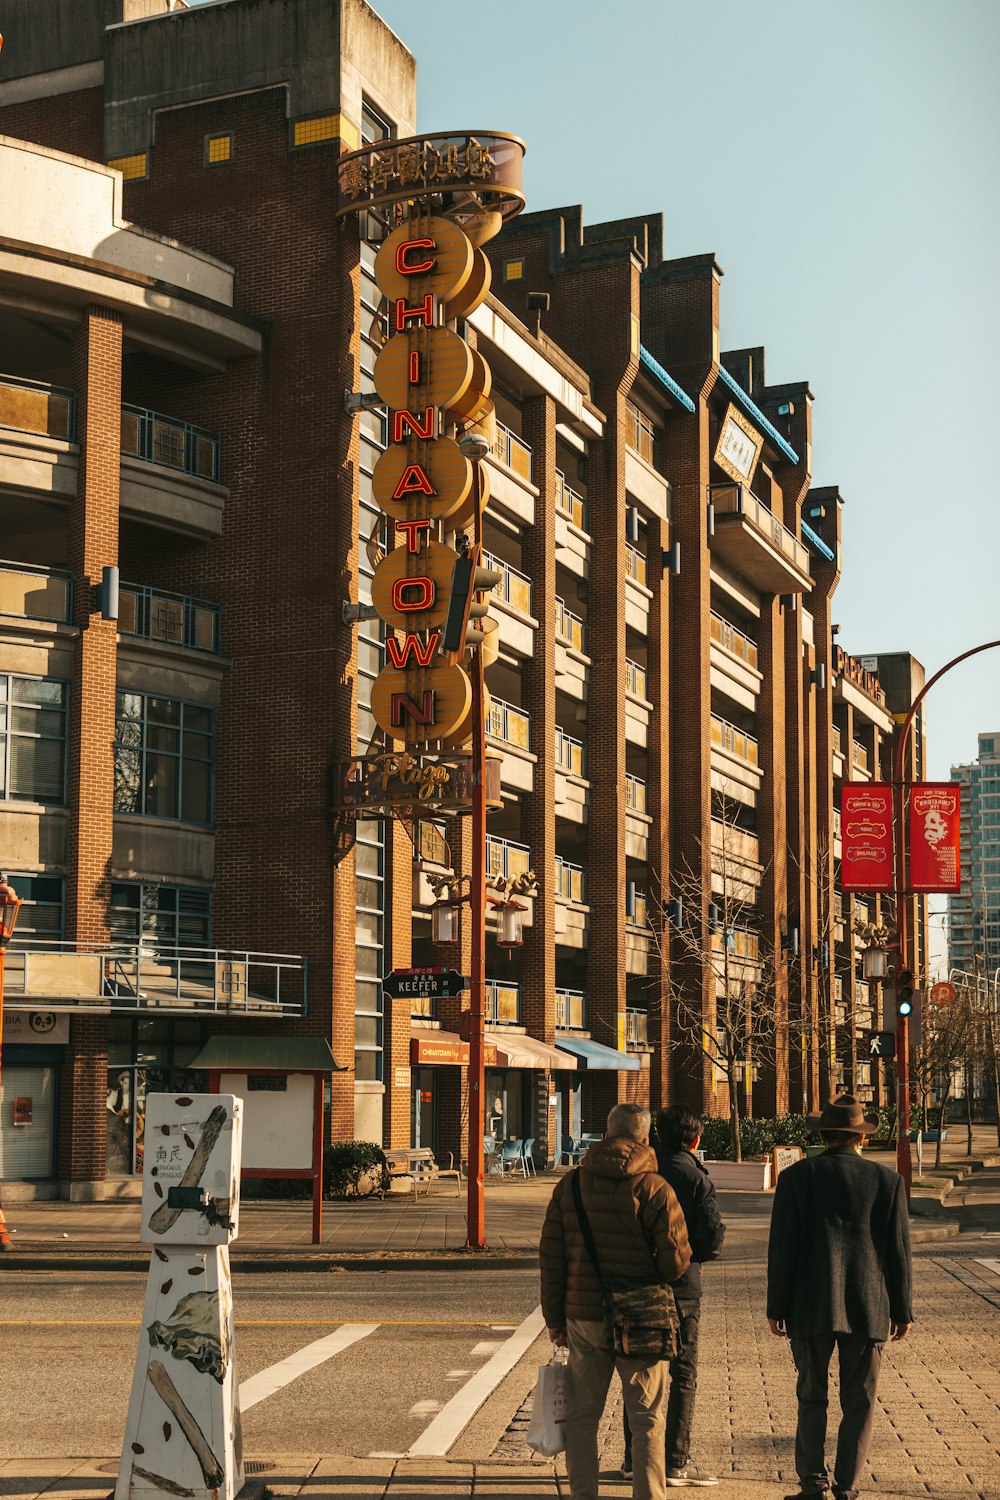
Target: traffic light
(904, 992)
(467, 580)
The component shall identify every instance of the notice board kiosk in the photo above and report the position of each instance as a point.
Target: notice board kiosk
(280, 1080)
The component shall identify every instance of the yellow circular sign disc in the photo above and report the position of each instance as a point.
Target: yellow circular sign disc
(467, 511)
(474, 403)
(433, 561)
(459, 736)
(475, 289)
(447, 261)
(424, 367)
(441, 696)
(422, 479)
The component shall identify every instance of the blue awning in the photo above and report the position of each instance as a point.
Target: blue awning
(596, 1055)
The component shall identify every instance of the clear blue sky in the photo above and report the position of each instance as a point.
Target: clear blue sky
(840, 159)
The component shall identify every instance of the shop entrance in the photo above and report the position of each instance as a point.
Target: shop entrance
(27, 1122)
(423, 1124)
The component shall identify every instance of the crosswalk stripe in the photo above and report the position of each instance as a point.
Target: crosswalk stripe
(991, 1265)
(456, 1414)
(266, 1382)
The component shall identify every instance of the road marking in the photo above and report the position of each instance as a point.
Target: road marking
(443, 1432)
(266, 1382)
(240, 1323)
(488, 1346)
(991, 1265)
(425, 1408)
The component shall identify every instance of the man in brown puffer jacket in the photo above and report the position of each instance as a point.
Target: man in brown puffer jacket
(640, 1235)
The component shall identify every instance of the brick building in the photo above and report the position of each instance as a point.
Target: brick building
(667, 700)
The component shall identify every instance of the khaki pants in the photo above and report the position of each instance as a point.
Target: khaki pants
(644, 1385)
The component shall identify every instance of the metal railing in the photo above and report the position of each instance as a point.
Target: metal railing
(859, 755)
(569, 753)
(31, 406)
(36, 593)
(737, 500)
(733, 640)
(504, 857)
(157, 615)
(570, 502)
(510, 450)
(636, 1028)
(837, 740)
(640, 434)
(514, 587)
(510, 725)
(635, 678)
(156, 439)
(571, 881)
(635, 564)
(571, 1010)
(502, 1003)
(740, 941)
(133, 977)
(570, 628)
(727, 737)
(635, 793)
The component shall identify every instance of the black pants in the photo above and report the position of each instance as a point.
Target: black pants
(683, 1384)
(860, 1360)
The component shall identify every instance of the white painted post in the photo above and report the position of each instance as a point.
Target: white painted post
(182, 1433)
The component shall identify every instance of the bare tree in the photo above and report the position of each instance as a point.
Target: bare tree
(944, 1043)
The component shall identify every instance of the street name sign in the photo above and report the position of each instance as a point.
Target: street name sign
(424, 984)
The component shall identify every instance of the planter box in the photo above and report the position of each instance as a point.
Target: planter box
(742, 1176)
(930, 1136)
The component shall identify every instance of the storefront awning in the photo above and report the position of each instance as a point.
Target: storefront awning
(267, 1054)
(515, 1051)
(592, 1055)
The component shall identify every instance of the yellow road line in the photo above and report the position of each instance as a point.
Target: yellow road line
(240, 1323)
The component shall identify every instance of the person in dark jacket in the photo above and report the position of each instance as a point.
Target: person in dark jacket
(838, 1276)
(678, 1134)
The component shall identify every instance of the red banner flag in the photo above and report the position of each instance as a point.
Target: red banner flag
(866, 836)
(935, 809)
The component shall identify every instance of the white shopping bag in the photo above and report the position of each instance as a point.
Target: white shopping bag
(547, 1433)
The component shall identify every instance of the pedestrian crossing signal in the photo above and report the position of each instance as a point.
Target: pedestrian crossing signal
(881, 1044)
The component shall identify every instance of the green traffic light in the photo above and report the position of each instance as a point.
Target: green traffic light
(905, 1008)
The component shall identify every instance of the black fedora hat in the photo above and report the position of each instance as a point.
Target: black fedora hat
(844, 1113)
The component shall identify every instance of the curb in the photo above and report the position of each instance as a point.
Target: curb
(325, 1263)
(938, 1229)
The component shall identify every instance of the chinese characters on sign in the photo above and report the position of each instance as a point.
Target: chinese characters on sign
(934, 837)
(738, 448)
(866, 834)
(397, 171)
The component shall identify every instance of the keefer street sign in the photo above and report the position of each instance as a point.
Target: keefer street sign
(424, 984)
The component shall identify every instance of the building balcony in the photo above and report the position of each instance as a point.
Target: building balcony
(502, 1003)
(569, 503)
(859, 758)
(837, 744)
(510, 476)
(28, 406)
(572, 661)
(734, 641)
(638, 933)
(175, 619)
(635, 565)
(756, 544)
(36, 593)
(638, 595)
(506, 858)
(570, 754)
(512, 452)
(512, 597)
(740, 942)
(635, 679)
(129, 978)
(570, 881)
(172, 444)
(637, 819)
(510, 729)
(570, 629)
(571, 1010)
(735, 742)
(640, 434)
(636, 1029)
(571, 787)
(635, 794)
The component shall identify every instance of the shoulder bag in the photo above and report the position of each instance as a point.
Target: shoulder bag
(642, 1314)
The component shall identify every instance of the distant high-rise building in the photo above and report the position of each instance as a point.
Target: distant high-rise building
(974, 914)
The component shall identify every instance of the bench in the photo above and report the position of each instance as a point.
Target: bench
(418, 1165)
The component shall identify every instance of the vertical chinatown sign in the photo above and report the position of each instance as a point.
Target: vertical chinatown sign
(935, 812)
(866, 836)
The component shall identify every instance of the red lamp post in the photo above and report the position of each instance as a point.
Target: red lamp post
(9, 908)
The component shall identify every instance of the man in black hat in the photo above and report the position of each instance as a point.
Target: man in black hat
(838, 1275)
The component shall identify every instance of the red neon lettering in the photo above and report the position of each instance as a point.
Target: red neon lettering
(414, 481)
(414, 374)
(403, 419)
(422, 655)
(420, 713)
(412, 528)
(421, 597)
(407, 267)
(416, 312)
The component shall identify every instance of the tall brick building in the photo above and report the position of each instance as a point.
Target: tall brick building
(181, 316)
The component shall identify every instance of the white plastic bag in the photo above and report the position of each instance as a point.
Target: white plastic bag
(547, 1433)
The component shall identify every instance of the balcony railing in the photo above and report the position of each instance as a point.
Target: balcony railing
(733, 640)
(639, 915)
(28, 406)
(156, 615)
(504, 857)
(837, 750)
(727, 737)
(157, 439)
(36, 593)
(636, 1028)
(635, 793)
(571, 881)
(640, 434)
(635, 564)
(510, 725)
(502, 1004)
(859, 755)
(635, 678)
(572, 504)
(741, 942)
(736, 499)
(837, 821)
(510, 450)
(138, 977)
(569, 753)
(571, 1010)
(570, 629)
(514, 586)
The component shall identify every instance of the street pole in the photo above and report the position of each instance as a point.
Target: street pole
(9, 908)
(476, 1216)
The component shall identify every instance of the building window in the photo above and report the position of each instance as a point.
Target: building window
(319, 128)
(33, 730)
(640, 434)
(161, 916)
(634, 336)
(131, 167)
(145, 1056)
(41, 918)
(218, 149)
(369, 951)
(374, 127)
(513, 270)
(164, 757)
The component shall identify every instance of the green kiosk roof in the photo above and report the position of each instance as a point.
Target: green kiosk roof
(267, 1054)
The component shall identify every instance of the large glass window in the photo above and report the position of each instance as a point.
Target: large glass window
(369, 950)
(145, 1056)
(164, 758)
(162, 916)
(41, 914)
(33, 731)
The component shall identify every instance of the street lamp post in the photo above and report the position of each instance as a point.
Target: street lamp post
(9, 908)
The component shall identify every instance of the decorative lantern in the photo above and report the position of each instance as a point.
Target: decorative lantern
(444, 923)
(510, 925)
(9, 908)
(873, 962)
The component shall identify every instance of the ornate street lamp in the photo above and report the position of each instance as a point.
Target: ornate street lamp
(510, 924)
(874, 960)
(9, 908)
(444, 923)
